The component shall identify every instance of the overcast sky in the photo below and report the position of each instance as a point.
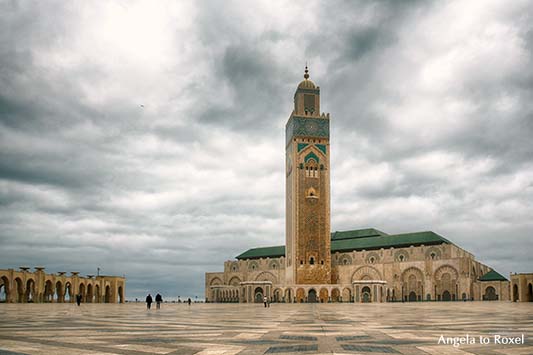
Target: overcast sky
(431, 129)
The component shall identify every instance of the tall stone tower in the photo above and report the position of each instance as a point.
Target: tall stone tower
(308, 253)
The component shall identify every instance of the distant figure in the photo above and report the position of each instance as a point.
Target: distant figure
(189, 301)
(78, 299)
(265, 301)
(158, 300)
(149, 301)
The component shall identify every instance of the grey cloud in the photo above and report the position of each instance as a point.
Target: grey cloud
(163, 193)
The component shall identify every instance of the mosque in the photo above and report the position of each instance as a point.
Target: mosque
(363, 265)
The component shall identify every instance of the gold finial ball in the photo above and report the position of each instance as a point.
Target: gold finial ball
(306, 75)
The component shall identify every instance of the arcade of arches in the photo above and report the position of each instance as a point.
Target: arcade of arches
(369, 283)
(24, 286)
(522, 287)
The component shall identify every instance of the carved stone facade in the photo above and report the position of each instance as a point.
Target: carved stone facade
(425, 273)
(522, 287)
(351, 266)
(25, 286)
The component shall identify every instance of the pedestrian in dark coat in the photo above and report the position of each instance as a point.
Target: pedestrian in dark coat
(78, 299)
(149, 301)
(158, 300)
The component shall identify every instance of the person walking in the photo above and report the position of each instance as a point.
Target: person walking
(265, 301)
(78, 299)
(149, 301)
(158, 300)
(189, 301)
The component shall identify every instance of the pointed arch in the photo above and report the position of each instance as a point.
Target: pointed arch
(311, 156)
(234, 281)
(216, 281)
(266, 276)
(366, 273)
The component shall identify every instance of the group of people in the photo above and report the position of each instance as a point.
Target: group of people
(158, 301)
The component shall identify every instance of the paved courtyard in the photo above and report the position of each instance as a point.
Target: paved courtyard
(213, 329)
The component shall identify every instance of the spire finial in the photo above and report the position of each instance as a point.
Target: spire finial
(306, 75)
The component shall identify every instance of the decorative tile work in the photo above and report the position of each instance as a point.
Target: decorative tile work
(306, 127)
(322, 148)
(291, 349)
(352, 337)
(298, 337)
(302, 146)
(370, 349)
(311, 156)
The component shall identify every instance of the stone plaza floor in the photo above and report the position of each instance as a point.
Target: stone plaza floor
(216, 329)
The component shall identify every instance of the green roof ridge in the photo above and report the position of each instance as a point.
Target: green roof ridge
(356, 233)
(387, 241)
(263, 252)
(363, 242)
(492, 275)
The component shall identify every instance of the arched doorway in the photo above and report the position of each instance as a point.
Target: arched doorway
(530, 293)
(258, 295)
(346, 295)
(48, 291)
(89, 298)
(4, 290)
(446, 296)
(19, 290)
(515, 292)
(29, 296)
(120, 295)
(277, 295)
(335, 295)
(490, 294)
(311, 296)
(107, 295)
(97, 294)
(365, 295)
(68, 293)
(412, 296)
(82, 292)
(59, 292)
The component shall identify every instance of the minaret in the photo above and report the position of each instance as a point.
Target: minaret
(308, 254)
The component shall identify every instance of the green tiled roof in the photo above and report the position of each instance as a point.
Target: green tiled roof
(266, 252)
(387, 241)
(359, 233)
(492, 276)
(366, 239)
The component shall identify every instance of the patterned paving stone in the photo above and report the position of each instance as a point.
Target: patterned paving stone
(369, 349)
(352, 337)
(233, 329)
(291, 349)
(297, 337)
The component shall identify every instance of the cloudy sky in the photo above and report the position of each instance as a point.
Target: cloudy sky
(149, 140)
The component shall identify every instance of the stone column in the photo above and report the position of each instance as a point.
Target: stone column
(39, 284)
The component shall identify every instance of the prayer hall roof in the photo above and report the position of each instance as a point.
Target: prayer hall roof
(361, 239)
(492, 276)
